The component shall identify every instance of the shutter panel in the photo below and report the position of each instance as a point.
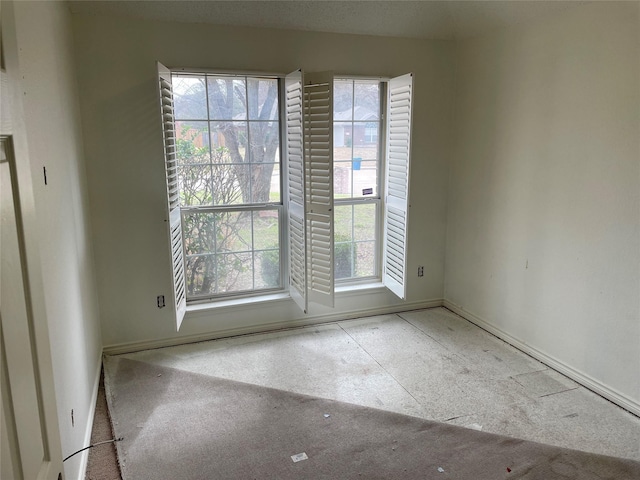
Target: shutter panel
(296, 188)
(318, 142)
(173, 193)
(398, 153)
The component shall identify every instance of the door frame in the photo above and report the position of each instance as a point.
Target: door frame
(12, 124)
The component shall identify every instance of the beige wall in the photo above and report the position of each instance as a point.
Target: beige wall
(543, 239)
(117, 78)
(54, 137)
(543, 194)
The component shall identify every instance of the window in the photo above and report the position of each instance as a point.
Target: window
(235, 222)
(227, 137)
(356, 172)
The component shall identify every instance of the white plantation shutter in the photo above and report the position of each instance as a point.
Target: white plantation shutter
(296, 191)
(173, 195)
(318, 142)
(398, 145)
(309, 157)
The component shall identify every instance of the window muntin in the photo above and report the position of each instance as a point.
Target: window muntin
(356, 236)
(357, 165)
(228, 145)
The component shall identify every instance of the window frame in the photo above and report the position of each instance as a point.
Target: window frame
(378, 200)
(280, 206)
(396, 122)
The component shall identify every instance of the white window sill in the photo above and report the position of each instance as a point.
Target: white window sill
(357, 288)
(238, 302)
(259, 300)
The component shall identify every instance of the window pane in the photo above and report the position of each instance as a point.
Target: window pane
(365, 259)
(365, 156)
(274, 195)
(264, 153)
(371, 133)
(365, 179)
(355, 241)
(195, 185)
(343, 260)
(367, 100)
(233, 232)
(227, 98)
(228, 142)
(200, 275)
(342, 100)
(267, 268)
(189, 97)
(266, 229)
(342, 157)
(226, 188)
(234, 272)
(261, 184)
(343, 241)
(199, 233)
(192, 142)
(265, 140)
(220, 257)
(263, 98)
(342, 141)
(364, 224)
(365, 140)
(343, 223)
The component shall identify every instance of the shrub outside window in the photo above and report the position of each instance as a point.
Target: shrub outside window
(228, 159)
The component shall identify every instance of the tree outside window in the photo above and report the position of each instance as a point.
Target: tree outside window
(228, 145)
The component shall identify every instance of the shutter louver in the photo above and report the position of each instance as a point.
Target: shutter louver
(398, 146)
(296, 191)
(173, 194)
(318, 141)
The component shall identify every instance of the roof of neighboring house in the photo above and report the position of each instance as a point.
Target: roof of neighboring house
(360, 114)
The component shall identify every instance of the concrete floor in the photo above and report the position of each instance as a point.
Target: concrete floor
(428, 363)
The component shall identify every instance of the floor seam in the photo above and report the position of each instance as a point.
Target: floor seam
(419, 330)
(556, 393)
(380, 365)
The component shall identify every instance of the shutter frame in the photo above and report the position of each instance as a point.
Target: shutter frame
(296, 188)
(398, 162)
(173, 194)
(318, 132)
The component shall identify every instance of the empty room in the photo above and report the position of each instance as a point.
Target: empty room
(320, 239)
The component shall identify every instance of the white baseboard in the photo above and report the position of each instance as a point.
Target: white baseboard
(582, 378)
(267, 327)
(84, 460)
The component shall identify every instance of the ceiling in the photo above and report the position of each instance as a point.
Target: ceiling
(398, 18)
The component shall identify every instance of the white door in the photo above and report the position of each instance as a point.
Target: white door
(22, 416)
(28, 418)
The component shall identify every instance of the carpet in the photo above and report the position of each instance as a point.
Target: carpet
(182, 425)
(102, 462)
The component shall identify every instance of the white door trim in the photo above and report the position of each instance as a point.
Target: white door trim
(12, 125)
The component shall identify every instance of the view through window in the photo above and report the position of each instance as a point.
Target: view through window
(228, 150)
(227, 140)
(357, 161)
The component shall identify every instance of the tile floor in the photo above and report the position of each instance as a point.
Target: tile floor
(428, 363)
